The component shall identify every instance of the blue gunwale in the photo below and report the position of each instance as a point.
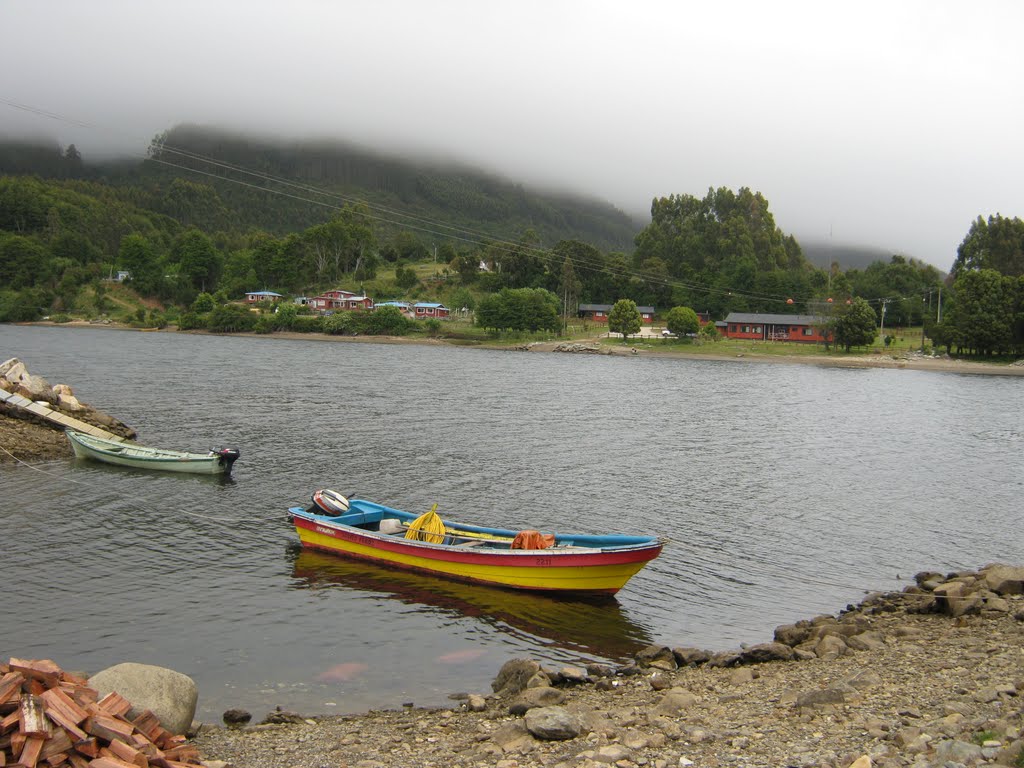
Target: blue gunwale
(362, 512)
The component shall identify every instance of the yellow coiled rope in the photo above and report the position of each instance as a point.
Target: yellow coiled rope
(428, 527)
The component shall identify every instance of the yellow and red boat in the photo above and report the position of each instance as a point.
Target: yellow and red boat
(530, 560)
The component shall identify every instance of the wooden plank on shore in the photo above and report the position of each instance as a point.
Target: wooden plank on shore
(182, 753)
(37, 669)
(82, 694)
(33, 717)
(72, 730)
(88, 747)
(59, 742)
(115, 704)
(109, 728)
(10, 721)
(10, 687)
(149, 724)
(57, 701)
(107, 761)
(129, 754)
(30, 752)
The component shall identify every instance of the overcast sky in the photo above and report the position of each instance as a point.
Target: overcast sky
(884, 124)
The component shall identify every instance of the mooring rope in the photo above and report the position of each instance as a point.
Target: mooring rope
(226, 520)
(37, 469)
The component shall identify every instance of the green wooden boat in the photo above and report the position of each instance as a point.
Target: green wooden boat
(217, 462)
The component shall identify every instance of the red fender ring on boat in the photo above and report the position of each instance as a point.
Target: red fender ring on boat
(331, 502)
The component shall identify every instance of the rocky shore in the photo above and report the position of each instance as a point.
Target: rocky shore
(27, 437)
(930, 677)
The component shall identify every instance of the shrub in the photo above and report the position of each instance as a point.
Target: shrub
(284, 316)
(230, 318)
(709, 332)
(387, 321)
(264, 324)
(204, 303)
(188, 321)
(308, 324)
(338, 324)
(60, 317)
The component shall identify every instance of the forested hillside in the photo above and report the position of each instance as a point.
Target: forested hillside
(282, 187)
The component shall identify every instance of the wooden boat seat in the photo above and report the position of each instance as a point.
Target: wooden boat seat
(470, 543)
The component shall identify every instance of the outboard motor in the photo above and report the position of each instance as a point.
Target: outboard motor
(330, 502)
(227, 457)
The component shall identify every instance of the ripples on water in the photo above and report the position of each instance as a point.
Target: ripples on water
(785, 491)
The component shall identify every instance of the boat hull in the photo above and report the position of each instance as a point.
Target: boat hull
(141, 457)
(565, 570)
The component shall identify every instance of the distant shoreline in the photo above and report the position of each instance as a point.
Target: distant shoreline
(935, 364)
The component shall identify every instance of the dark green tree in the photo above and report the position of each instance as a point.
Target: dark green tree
(410, 247)
(996, 244)
(625, 318)
(138, 257)
(853, 324)
(982, 312)
(519, 309)
(198, 260)
(467, 264)
(23, 262)
(569, 290)
(682, 321)
(406, 278)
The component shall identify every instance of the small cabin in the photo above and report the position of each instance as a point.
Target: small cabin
(425, 310)
(768, 327)
(255, 297)
(599, 313)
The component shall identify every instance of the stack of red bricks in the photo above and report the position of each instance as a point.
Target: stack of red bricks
(49, 717)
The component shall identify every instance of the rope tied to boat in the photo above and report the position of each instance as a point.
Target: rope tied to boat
(428, 527)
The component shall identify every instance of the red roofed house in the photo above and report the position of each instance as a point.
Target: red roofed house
(337, 299)
(767, 327)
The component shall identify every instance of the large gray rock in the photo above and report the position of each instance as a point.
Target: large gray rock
(831, 646)
(12, 369)
(762, 652)
(872, 640)
(1005, 580)
(957, 599)
(659, 656)
(690, 657)
(532, 698)
(169, 695)
(553, 724)
(792, 634)
(514, 676)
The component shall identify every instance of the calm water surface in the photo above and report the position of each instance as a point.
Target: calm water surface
(784, 490)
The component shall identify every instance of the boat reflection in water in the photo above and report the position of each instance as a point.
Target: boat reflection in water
(593, 627)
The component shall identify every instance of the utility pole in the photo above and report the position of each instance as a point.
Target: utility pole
(881, 333)
(924, 315)
(940, 306)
